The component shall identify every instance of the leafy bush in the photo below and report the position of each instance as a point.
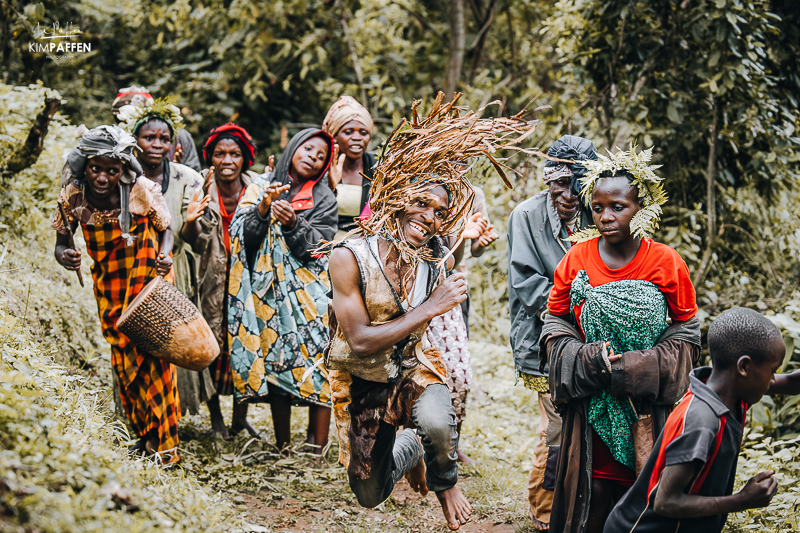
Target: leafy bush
(61, 464)
(762, 453)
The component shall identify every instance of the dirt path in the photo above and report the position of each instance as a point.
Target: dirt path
(293, 493)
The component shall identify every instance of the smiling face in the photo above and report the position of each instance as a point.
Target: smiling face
(424, 216)
(353, 139)
(102, 175)
(309, 159)
(565, 202)
(227, 160)
(155, 141)
(614, 203)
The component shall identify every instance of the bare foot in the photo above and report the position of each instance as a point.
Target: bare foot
(218, 425)
(537, 525)
(416, 478)
(138, 447)
(238, 426)
(217, 420)
(455, 507)
(464, 458)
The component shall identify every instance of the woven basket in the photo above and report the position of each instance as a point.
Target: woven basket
(164, 323)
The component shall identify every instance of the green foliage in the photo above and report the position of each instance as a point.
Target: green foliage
(33, 284)
(761, 454)
(61, 464)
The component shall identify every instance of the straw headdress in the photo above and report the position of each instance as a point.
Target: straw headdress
(429, 151)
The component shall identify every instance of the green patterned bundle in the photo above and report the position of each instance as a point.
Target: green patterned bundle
(631, 315)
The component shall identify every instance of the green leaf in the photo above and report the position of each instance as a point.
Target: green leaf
(672, 113)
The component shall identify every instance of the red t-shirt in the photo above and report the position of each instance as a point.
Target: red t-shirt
(226, 221)
(654, 262)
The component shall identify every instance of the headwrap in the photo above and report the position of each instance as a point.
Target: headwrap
(556, 173)
(651, 191)
(107, 141)
(572, 148)
(345, 109)
(164, 109)
(136, 96)
(238, 135)
(434, 151)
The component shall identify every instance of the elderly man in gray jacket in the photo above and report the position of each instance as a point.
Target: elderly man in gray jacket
(537, 229)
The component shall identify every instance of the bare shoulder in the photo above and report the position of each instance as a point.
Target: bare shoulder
(342, 258)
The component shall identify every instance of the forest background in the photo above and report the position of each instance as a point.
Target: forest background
(711, 86)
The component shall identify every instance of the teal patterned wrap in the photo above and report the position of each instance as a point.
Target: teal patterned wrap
(277, 314)
(631, 315)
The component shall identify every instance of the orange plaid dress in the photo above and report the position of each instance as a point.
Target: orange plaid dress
(147, 384)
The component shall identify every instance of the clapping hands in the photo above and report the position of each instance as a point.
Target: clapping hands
(271, 194)
(478, 227)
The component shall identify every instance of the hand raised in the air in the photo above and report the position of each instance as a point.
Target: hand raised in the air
(476, 225)
(178, 158)
(337, 168)
(197, 207)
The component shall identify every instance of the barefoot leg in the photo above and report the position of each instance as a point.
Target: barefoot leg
(239, 421)
(217, 420)
(605, 494)
(416, 478)
(462, 457)
(455, 507)
(281, 406)
(319, 423)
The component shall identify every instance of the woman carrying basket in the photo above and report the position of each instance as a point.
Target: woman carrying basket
(155, 126)
(126, 226)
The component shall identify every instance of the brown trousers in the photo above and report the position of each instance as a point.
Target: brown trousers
(541, 500)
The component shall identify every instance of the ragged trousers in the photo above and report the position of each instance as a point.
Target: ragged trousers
(394, 454)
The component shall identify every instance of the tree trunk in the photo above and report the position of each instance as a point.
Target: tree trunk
(711, 198)
(457, 43)
(480, 42)
(27, 154)
(354, 58)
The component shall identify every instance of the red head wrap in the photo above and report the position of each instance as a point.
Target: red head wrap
(238, 135)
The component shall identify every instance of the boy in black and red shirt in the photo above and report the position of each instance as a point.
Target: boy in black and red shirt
(687, 483)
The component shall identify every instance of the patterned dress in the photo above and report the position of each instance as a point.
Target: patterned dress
(447, 333)
(277, 315)
(147, 385)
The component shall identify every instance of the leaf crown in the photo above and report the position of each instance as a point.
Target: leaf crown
(651, 189)
(133, 117)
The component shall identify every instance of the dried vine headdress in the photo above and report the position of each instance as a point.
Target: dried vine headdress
(133, 117)
(651, 190)
(430, 151)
